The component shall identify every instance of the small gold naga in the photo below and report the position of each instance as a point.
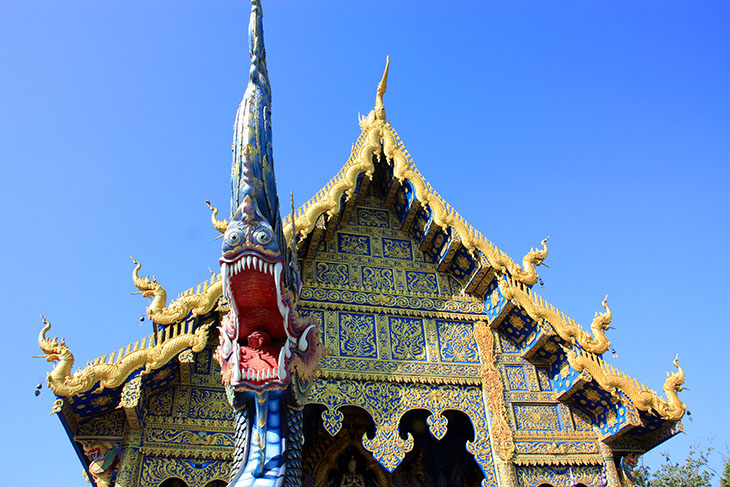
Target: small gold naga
(158, 311)
(110, 375)
(566, 328)
(643, 398)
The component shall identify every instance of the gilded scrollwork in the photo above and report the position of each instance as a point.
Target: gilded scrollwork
(537, 475)
(198, 301)
(108, 371)
(157, 469)
(493, 388)
(570, 331)
(386, 402)
(641, 396)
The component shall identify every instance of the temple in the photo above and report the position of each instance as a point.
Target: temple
(372, 337)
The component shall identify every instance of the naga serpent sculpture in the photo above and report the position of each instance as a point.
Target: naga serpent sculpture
(595, 342)
(151, 354)
(267, 352)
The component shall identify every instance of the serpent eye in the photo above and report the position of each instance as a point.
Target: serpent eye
(262, 236)
(233, 238)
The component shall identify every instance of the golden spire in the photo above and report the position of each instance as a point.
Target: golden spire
(382, 86)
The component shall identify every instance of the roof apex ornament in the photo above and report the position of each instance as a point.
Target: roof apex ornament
(382, 86)
(378, 113)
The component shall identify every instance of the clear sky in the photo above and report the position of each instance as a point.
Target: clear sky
(603, 124)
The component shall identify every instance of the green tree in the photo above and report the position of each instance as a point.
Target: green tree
(725, 480)
(694, 472)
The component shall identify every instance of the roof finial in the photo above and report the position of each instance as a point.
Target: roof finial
(382, 86)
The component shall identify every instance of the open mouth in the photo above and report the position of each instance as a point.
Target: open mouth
(258, 341)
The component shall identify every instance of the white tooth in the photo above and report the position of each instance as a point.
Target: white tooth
(224, 277)
(287, 348)
(282, 370)
(249, 374)
(258, 376)
(267, 373)
(257, 264)
(275, 372)
(248, 262)
(236, 374)
(303, 339)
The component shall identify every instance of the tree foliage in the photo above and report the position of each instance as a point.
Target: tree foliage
(694, 472)
(725, 480)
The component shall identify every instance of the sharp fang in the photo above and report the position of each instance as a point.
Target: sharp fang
(258, 265)
(281, 372)
(248, 262)
(224, 277)
(303, 339)
(283, 309)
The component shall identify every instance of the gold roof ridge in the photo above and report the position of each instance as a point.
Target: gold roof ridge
(378, 138)
(538, 308)
(111, 370)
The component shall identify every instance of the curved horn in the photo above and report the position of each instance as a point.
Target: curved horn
(219, 225)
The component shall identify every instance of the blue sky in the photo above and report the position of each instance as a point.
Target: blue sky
(602, 124)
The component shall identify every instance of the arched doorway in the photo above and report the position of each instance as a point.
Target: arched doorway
(442, 462)
(341, 461)
(329, 461)
(173, 482)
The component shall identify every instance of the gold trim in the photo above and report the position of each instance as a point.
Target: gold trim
(199, 301)
(378, 138)
(494, 390)
(643, 398)
(571, 332)
(149, 353)
(388, 377)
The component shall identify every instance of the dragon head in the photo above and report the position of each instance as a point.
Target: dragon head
(263, 337)
(263, 331)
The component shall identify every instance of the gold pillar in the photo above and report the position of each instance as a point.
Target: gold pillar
(611, 473)
(506, 473)
(130, 461)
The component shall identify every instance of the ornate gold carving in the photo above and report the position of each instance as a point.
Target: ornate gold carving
(378, 138)
(199, 303)
(57, 406)
(220, 225)
(386, 402)
(157, 469)
(111, 372)
(494, 390)
(643, 398)
(534, 475)
(566, 328)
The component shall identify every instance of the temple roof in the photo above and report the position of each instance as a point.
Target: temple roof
(512, 307)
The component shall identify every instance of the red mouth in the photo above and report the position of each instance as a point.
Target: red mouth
(256, 345)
